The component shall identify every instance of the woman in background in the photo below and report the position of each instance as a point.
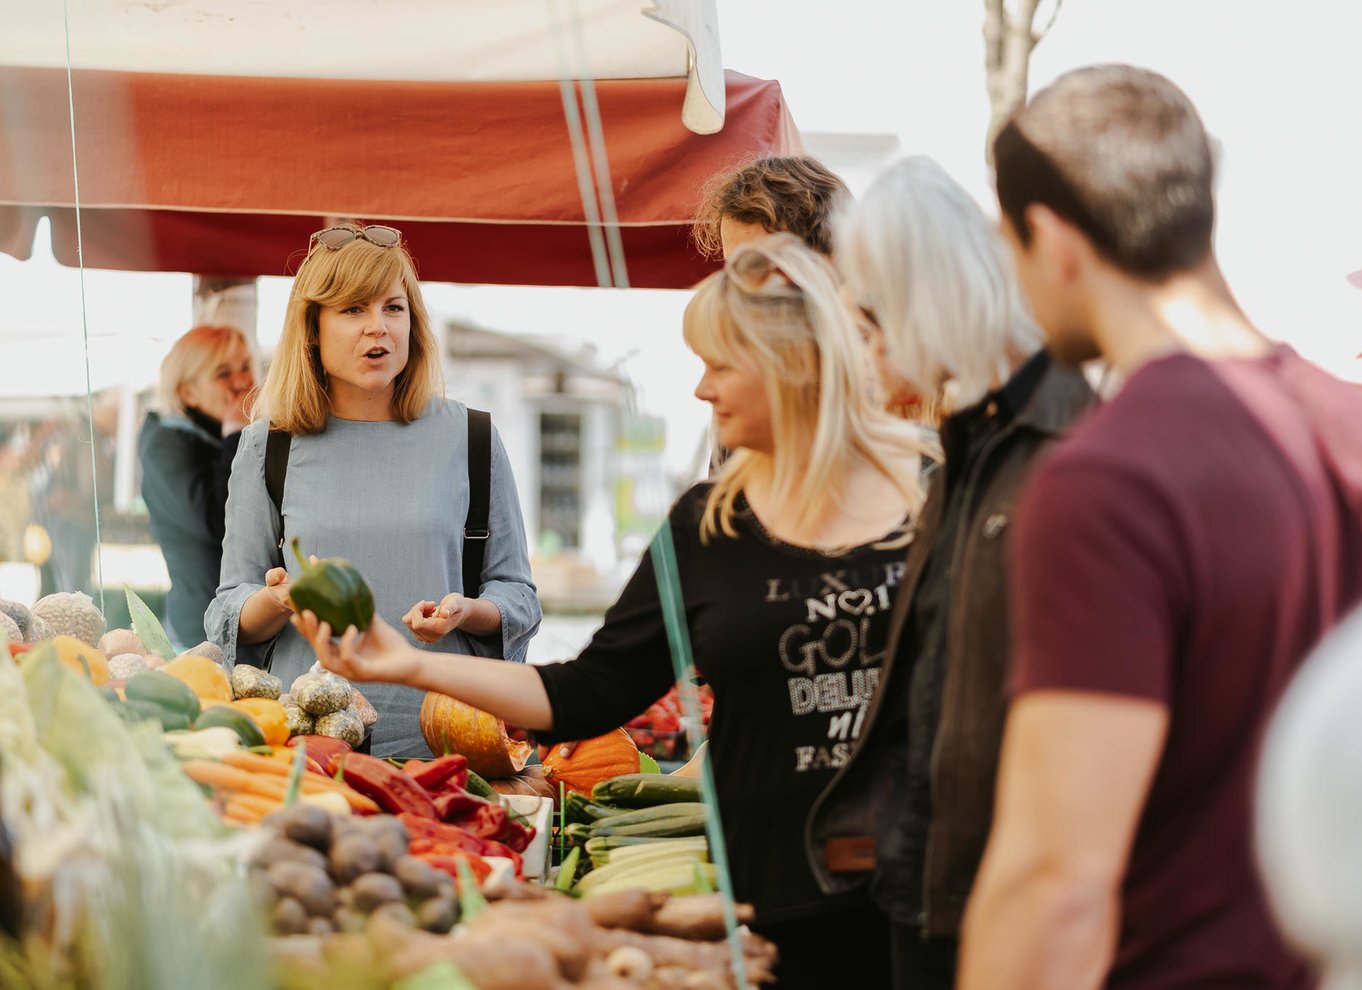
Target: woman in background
(186, 449)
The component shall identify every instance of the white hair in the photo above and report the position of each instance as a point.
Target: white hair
(917, 252)
(1309, 806)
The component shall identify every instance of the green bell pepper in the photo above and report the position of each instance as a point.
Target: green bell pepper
(334, 591)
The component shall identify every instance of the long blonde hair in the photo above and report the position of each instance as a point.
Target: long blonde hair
(199, 349)
(774, 308)
(295, 396)
(918, 253)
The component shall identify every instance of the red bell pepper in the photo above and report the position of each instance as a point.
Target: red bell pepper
(393, 790)
(432, 838)
(450, 864)
(436, 775)
(456, 804)
(324, 749)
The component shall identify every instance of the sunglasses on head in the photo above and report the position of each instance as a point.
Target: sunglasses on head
(754, 270)
(335, 238)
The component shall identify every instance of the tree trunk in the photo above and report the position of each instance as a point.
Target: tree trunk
(1009, 39)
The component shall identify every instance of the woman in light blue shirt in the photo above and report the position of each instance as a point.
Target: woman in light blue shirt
(377, 473)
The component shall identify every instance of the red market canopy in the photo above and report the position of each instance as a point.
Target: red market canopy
(229, 174)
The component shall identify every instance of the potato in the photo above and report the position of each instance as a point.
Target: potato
(373, 889)
(320, 926)
(307, 884)
(289, 917)
(353, 854)
(348, 920)
(436, 915)
(420, 879)
(308, 825)
(282, 850)
(392, 842)
(393, 912)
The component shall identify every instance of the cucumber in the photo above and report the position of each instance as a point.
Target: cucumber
(608, 843)
(480, 788)
(164, 691)
(644, 790)
(246, 728)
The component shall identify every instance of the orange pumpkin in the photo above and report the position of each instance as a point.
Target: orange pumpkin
(592, 761)
(205, 678)
(450, 726)
(269, 715)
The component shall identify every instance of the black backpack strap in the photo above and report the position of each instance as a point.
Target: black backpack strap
(475, 531)
(276, 470)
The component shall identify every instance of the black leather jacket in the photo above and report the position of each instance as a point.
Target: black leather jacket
(973, 707)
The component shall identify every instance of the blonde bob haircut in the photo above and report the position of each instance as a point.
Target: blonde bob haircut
(921, 258)
(295, 397)
(200, 349)
(775, 309)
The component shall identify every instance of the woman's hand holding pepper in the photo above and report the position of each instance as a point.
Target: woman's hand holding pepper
(381, 653)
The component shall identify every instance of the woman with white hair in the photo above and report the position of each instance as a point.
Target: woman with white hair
(932, 281)
(1309, 805)
(186, 448)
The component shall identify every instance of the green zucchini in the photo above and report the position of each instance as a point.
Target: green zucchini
(645, 790)
(246, 728)
(682, 818)
(639, 815)
(580, 808)
(164, 691)
(603, 845)
(480, 788)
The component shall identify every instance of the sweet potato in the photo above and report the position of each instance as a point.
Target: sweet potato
(697, 916)
(632, 909)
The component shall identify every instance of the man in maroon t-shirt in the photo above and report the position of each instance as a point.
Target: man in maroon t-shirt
(1175, 560)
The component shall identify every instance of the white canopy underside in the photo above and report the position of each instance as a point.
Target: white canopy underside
(431, 40)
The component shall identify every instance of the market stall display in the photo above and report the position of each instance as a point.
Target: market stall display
(321, 865)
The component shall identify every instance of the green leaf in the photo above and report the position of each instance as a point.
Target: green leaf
(567, 872)
(441, 976)
(295, 774)
(148, 627)
(646, 764)
(471, 901)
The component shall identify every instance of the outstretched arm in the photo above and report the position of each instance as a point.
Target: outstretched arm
(512, 692)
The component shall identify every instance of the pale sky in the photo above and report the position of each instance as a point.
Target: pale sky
(1277, 84)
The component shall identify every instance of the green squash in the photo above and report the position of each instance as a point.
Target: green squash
(246, 728)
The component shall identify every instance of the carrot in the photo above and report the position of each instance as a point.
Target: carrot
(222, 777)
(241, 805)
(311, 783)
(236, 814)
(256, 763)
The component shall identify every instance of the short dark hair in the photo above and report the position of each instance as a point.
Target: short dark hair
(794, 194)
(1121, 153)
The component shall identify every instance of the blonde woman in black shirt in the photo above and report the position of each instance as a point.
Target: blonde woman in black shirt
(787, 563)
